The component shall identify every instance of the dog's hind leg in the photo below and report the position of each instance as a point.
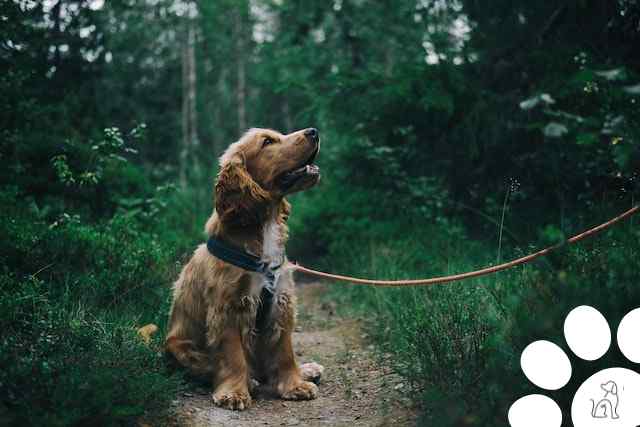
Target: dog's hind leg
(189, 356)
(312, 372)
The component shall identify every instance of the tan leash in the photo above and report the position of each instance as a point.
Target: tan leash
(470, 274)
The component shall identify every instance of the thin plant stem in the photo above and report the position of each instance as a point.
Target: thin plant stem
(504, 209)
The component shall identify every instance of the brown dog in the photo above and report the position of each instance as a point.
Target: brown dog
(212, 327)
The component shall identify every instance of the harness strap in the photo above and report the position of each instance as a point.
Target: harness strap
(249, 262)
(262, 315)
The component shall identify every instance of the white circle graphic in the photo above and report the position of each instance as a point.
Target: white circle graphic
(629, 335)
(534, 410)
(587, 332)
(546, 365)
(608, 398)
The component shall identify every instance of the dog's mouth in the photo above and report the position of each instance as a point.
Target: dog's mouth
(307, 171)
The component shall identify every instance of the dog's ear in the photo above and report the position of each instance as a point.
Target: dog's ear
(239, 199)
(610, 387)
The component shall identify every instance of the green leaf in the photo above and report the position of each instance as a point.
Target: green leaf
(622, 155)
(615, 74)
(633, 89)
(583, 76)
(555, 130)
(127, 410)
(130, 202)
(586, 139)
(533, 102)
(552, 234)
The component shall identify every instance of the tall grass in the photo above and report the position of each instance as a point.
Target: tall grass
(458, 344)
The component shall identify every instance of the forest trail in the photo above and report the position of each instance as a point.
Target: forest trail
(355, 389)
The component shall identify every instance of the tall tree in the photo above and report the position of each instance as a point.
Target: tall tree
(190, 140)
(241, 53)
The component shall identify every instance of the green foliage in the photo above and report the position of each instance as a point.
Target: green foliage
(65, 364)
(72, 295)
(600, 130)
(82, 266)
(103, 157)
(447, 126)
(90, 237)
(459, 344)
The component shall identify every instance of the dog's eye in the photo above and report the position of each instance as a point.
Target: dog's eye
(266, 141)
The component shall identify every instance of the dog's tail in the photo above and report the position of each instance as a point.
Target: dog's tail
(146, 332)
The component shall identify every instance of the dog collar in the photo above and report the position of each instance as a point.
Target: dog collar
(250, 262)
(244, 260)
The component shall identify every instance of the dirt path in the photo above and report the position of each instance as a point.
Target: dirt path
(354, 391)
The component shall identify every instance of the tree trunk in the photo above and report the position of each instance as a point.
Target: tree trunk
(220, 113)
(241, 89)
(189, 112)
(56, 11)
(286, 112)
(193, 116)
(184, 149)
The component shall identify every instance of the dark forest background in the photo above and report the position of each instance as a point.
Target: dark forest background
(456, 133)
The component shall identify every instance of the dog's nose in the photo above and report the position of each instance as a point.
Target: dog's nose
(312, 135)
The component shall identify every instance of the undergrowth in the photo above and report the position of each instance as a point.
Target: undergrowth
(459, 344)
(77, 278)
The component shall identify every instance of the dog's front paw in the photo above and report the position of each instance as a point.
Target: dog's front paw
(237, 401)
(303, 390)
(311, 372)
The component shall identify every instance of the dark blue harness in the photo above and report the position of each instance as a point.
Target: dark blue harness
(249, 262)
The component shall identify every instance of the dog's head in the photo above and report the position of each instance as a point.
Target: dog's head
(264, 166)
(609, 387)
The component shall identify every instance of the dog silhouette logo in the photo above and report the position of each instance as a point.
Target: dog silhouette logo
(607, 407)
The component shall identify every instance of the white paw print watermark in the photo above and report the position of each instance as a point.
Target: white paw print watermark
(610, 397)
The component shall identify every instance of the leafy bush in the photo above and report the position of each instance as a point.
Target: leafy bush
(84, 263)
(64, 363)
(73, 294)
